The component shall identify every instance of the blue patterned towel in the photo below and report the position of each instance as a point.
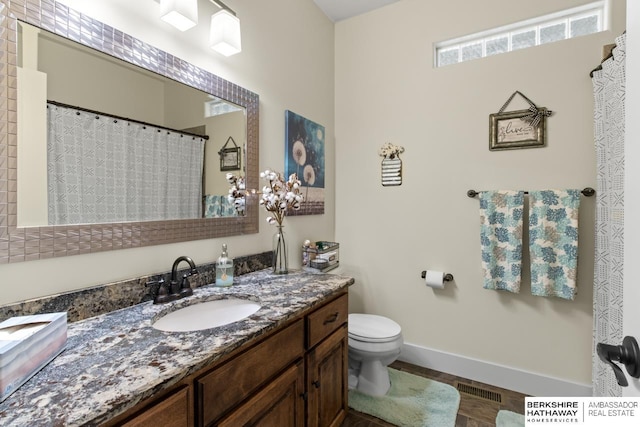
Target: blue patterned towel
(553, 242)
(212, 206)
(501, 239)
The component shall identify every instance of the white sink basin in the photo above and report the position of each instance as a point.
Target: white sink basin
(206, 315)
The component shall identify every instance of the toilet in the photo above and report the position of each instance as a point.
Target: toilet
(374, 343)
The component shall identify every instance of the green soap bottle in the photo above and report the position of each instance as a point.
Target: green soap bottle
(224, 268)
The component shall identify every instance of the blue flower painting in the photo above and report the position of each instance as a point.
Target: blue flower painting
(305, 157)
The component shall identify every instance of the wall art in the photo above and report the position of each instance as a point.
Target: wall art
(391, 168)
(518, 129)
(304, 142)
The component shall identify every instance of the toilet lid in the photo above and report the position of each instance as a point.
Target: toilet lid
(370, 327)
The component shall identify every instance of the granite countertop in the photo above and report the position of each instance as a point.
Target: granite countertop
(115, 360)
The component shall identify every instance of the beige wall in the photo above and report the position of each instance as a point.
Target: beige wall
(32, 145)
(388, 90)
(288, 62)
(97, 85)
(219, 129)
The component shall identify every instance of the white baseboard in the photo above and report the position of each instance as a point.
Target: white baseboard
(489, 373)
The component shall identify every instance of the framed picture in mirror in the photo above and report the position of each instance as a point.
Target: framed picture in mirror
(229, 156)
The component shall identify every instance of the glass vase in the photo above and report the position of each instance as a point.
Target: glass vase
(280, 252)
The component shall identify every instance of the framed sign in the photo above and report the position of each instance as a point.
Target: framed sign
(229, 156)
(513, 129)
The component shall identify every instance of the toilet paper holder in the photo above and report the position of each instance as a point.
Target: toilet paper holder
(447, 276)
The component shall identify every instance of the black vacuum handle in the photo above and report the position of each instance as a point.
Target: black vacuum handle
(628, 354)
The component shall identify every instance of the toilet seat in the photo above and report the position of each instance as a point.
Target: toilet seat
(392, 346)
(370, 328)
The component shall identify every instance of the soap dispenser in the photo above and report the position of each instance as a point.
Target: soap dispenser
(224, 268)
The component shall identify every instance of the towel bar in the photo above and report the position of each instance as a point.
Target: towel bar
(587, 191)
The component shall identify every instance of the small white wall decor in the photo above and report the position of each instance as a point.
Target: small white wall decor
(391, 164)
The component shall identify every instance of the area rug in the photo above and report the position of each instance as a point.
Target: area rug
(509, 419)
(412, 401)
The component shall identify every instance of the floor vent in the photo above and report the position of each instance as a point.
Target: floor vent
(479, 392)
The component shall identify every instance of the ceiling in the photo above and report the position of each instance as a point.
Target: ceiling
(337, 10)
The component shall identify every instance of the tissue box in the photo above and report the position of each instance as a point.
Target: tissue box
(27, 344)
(322, 256)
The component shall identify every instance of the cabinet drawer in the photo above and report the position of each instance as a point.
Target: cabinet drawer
(170, 411)
(226, 386)
(326, 319)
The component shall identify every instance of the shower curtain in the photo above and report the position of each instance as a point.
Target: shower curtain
(102, 170)
(609, 124)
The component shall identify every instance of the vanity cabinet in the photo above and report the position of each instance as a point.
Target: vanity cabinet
(307, 363)
(296, 376)
(327, 364)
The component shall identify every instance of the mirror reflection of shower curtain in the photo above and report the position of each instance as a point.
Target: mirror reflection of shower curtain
(609, 125)
(103, 170)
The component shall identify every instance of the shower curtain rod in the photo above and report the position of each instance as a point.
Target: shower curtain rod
(587, 191)
(86, 110)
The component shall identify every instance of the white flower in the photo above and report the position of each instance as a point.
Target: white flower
(388, 150)
(276, 197)
(299, 153)
(309, 175)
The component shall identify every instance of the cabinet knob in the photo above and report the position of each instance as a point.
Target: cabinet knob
(316, 384)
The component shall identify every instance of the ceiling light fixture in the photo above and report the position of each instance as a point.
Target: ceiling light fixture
(225, 31)
(182, 14)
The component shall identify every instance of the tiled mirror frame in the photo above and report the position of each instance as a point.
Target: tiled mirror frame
(32, 243)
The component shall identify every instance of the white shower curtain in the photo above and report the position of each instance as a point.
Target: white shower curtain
(102, 170)
(609, 124)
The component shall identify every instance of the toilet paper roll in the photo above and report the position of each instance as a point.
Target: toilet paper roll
(434, 279)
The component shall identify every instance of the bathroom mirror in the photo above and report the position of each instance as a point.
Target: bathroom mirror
(19, 243)
(107, 96)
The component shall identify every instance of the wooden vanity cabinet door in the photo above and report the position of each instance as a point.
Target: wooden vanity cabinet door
(327, 377)
(170, 411)
(279, 404)
(222, 389)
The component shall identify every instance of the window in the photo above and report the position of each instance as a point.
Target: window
(575, 22)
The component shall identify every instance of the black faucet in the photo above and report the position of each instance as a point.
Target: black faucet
(182, 289)
(175, 290)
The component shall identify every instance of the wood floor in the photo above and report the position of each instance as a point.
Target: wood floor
(478, 402)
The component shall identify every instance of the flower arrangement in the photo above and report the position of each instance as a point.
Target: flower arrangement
(236, 192)
(280, 195)
(390, 151)
(277, 196)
